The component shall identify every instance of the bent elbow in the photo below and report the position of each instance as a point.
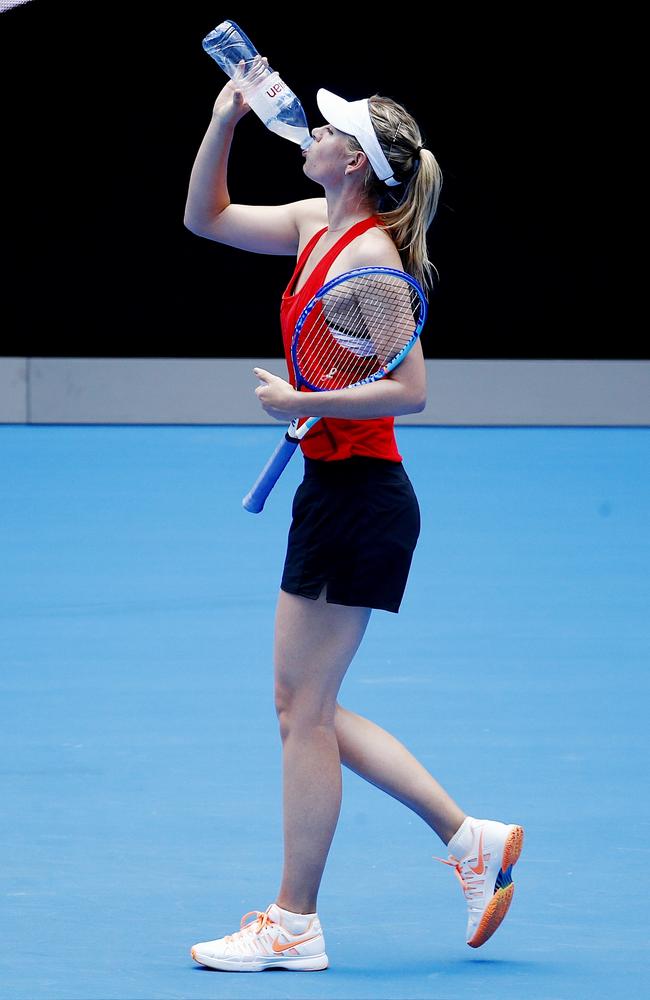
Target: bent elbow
(409, 398)
(191, 225)
(410, 406)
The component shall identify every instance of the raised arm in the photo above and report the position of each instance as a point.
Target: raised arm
(273, 229)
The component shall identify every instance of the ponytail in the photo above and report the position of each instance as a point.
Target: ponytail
(408, 219)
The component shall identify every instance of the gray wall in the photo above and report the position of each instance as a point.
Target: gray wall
(221, 391)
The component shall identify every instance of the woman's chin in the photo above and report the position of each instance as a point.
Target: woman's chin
(311, 174)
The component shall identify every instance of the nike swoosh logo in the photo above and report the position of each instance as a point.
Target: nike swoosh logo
(480, 867)
(279, 948)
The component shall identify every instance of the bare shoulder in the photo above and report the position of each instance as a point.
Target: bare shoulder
(374, 248)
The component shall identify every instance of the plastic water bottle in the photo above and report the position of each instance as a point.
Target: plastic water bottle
(265, 92)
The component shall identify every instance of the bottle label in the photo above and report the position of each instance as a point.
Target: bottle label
(277, 88)
(279, 108)
(270, 86)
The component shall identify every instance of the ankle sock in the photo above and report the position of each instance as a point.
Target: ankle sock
(294, 922)
(461, 843)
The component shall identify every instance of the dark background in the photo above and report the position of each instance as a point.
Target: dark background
(103, 110)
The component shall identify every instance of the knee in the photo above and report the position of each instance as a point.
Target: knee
(283, 701)
(282, 698)
(302, 710)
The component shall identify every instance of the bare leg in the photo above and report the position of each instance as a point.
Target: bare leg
(375, 755)
(315, 643)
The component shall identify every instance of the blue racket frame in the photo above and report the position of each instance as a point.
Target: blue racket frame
(341, 279)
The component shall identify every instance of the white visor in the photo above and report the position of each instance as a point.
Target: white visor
(353, 118)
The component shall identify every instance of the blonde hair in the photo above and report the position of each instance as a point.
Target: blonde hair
(406, 211)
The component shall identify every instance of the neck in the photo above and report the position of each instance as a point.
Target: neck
(345, 210)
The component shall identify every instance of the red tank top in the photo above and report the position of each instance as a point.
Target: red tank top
(333, 438)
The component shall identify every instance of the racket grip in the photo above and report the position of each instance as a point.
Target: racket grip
(254, 500)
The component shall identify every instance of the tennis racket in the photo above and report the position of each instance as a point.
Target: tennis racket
(356, 329)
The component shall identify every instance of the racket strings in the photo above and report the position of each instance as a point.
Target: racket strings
(344, 356)
(364, 343)
(341, 342)
(359, 327)
(362, 324)
(376, 317)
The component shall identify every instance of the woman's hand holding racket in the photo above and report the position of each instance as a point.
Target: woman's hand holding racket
(355, 330)
(278, 398)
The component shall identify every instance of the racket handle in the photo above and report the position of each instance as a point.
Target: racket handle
(254, 500)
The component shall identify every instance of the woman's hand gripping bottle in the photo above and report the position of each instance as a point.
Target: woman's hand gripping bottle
(264, 91)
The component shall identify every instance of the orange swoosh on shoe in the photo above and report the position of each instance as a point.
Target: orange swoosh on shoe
(480, 867)
(279, 948)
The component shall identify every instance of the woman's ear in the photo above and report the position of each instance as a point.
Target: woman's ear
(358, 160)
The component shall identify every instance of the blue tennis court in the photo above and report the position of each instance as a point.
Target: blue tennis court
(141, 761)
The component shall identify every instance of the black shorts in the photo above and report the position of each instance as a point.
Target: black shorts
(355, 523)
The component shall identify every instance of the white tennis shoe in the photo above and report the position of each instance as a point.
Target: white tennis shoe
(264, 943)
(484, 869)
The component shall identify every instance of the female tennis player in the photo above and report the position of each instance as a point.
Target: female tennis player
(355, 518)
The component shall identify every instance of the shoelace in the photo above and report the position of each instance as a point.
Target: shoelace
(471, 883)
(262, 920)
